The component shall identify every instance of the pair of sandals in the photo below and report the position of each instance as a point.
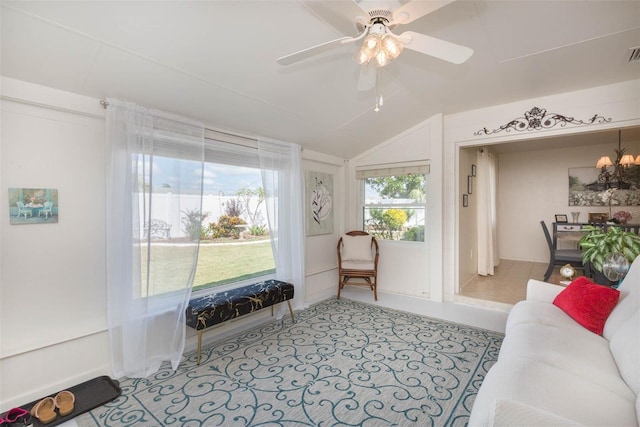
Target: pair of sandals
(45, 410)
(16, 417)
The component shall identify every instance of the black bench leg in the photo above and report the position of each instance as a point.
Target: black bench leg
(199, 345)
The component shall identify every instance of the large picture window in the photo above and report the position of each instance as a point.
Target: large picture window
(394, 205)
(235, 246)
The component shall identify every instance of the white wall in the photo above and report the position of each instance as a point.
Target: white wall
(52, 282)
(407, 268)
(52, 289)
(321, 259)
(618, 102)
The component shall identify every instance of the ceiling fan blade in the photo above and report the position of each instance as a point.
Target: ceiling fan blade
(417, 9)
(432, 46)
(367, 79)
(314, 50)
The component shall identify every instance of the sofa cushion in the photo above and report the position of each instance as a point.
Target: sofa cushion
(625, 348)
(587, 303)
(584, 354)
(356, 248)
(629, 301)
(542, 313)
(552, 390)
(506, 413)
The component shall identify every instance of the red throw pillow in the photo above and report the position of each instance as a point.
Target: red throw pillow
(587, 303)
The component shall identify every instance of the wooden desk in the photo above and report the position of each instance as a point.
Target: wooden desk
(568, 234)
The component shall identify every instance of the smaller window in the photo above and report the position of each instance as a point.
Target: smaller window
(395, 205)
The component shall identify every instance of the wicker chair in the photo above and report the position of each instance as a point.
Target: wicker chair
(358, 259)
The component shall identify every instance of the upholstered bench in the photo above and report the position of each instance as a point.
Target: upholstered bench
(214, 309)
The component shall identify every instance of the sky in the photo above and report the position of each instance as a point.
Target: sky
(218, 178)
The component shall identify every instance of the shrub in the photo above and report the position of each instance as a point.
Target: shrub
(258, 230)
(226, 227)
(414, 234)
(192, 223)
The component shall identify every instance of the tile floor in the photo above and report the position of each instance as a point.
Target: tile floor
(509, 283)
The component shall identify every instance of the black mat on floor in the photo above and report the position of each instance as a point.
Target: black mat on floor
(89, 395)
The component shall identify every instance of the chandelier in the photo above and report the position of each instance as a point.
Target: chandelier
(615, 178)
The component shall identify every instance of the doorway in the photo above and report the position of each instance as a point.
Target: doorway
(532, 186)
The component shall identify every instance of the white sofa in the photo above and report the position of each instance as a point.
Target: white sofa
(551, 371)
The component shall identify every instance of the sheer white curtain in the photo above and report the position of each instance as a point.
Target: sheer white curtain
(486, 188)
(154, 172)
(281, 166)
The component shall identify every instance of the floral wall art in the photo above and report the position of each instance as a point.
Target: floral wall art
(33, 205)
(319, 203)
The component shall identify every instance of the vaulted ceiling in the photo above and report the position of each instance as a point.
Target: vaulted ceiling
(215, 61)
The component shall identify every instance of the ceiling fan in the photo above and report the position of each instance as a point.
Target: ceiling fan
(380, 45)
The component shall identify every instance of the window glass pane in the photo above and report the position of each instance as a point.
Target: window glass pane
(235, 245)
(395, 207)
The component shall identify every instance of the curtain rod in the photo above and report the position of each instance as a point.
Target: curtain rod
(105, 104)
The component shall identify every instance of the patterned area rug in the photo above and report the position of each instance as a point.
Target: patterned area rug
(341, 363)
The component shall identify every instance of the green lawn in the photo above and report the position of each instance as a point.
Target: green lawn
(217, 264)
(221, 264)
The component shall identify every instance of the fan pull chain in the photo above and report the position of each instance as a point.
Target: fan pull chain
(379, 98)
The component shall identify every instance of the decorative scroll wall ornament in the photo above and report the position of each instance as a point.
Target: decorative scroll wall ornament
(538, 118)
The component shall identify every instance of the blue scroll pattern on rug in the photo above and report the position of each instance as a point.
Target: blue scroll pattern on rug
(341, 363)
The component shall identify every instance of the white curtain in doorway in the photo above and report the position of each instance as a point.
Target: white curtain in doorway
(149, 276)
(282, 178)
(486, 188)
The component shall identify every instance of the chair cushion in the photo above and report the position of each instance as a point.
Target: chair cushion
(356, 248)
(587, 303)
(357, 265)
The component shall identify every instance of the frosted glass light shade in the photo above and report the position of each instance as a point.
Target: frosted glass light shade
(391, 46)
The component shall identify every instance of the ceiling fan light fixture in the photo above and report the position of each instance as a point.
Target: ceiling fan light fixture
(362, 57)
(391, 46)
(371, 43)
(381, 58)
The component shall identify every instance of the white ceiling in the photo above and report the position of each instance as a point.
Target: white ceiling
(215, 61)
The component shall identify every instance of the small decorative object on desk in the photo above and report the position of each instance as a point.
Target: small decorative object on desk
(621, 217)
(561, 218)
(575, 217)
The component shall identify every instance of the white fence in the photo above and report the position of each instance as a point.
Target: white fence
(171, 208)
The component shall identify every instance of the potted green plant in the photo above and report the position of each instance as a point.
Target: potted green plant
(597, 243)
